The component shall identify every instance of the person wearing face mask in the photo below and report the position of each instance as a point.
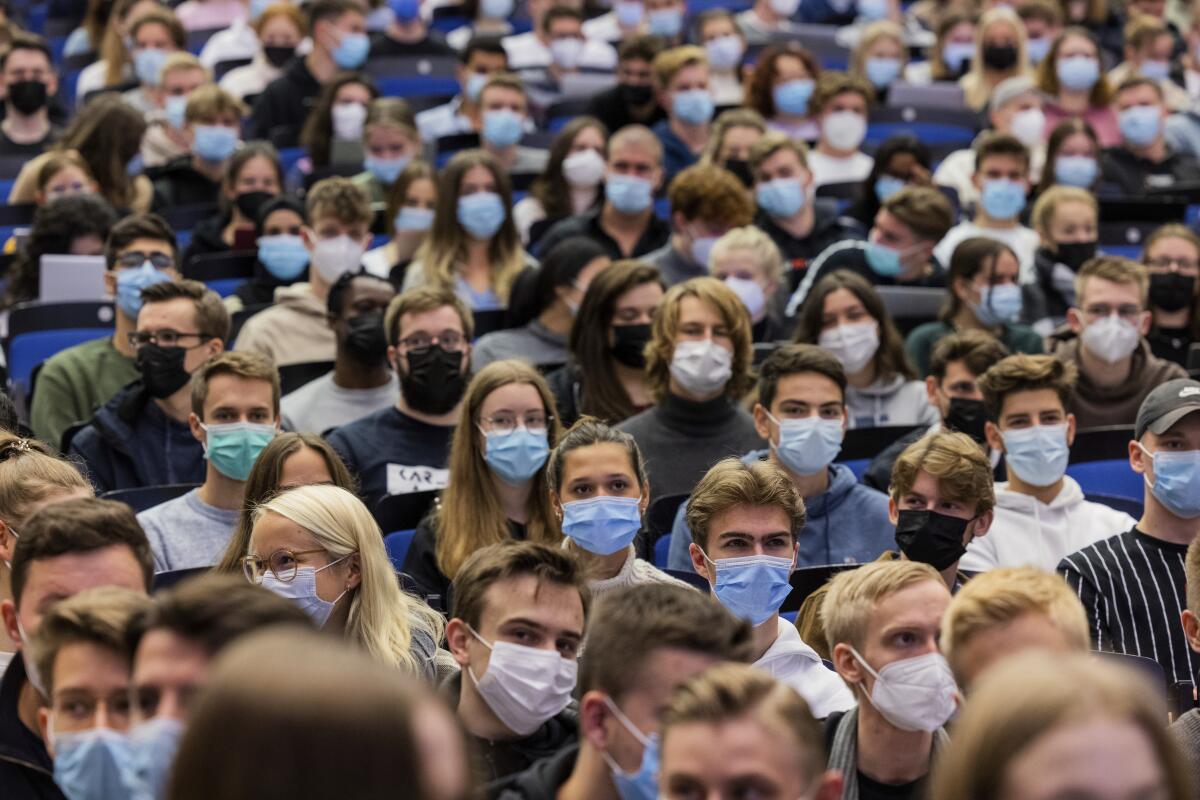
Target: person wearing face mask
(571, 182)
(1143, 161)
(706, 203)
(481, 57)
(269, 41)
(840, 104)
(153, 37)
(746, 521)
(411, 201)
(643, 642)
(999, 54)
(766, 20)
(1075, 87)
(531, 53)
(1043, 21)
(282, 258)
(725, 45)
(697, 368)
(390, 142)
(212, 121)
(880, 56)
(166, 138)
(1172, 258)
(252, 178)
(1151, 554)
(295, 329)
(681, 88)
(631, 101)
(1150, 52)
(1104, 338)
(747, 261)
(141, 437)
(30, 83)
(801, 412)
(408, 33)
(516, 628)
(1066, 219)
(501, 123)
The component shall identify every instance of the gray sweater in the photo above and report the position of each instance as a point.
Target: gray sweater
(534, 343)
(1186, 731)
(187, 532)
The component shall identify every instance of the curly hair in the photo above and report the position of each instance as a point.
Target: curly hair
(55, 226)
(712, 194)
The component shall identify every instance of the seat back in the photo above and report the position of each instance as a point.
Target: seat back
(1133, 508)
(141, 498)
(222, 272)
(397, 543)
(293, 376)
(807, 580)
(691, 579)
(399, 512)
(36, 331)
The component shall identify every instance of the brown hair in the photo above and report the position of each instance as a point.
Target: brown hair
(730, 484)
(978, 350)
(712, 194)
(1112, 268)
(420, 300)
(550, 187)
(832, 84)
(95, 616)
(925, 210)
(791, 359)
(241, 364)
(208, 102)
(586, 432)
(1047, 71)
(1026, 373)
(999, 144)
(725, 122)
(212, 319)
(107, 132)
(339, 198)
(391, 112)
(282, 9)
(970, 258)
(760, 89)
(669, 62)
(165, 17)
(641, 47)
(959, 464)
(134, 227)
(1174, 230)
(506, 560)
(21, 40)
(317, 134)
(30, 473)
(772, 143)
(398, 191)
(948, 20)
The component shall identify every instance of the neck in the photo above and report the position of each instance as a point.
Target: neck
(1044, 494)
(478, 719)
(28, 703)
(320, 64)
(349, 374)
(984, 221)
(24, 129)
(965, 319)
(120, 339)
(950, 575)
(582, 199)
(514, 499)
(1155, 151)
(694, 136)
(214, 171)
(505, 155)
(317, 284)
(863, 378)
(1172, 319)
(557, 318)
(221, 491)
(612, 219)
(801, 223)
(1075, 102)
(1102, 373)
(591, 779)
(444, 420)
(887, 754)
(1160, 523)
(602, 568)
(633, 381)
(680, 392)
(477, 253)
(178, 405)
(828, 149)
(809, 485)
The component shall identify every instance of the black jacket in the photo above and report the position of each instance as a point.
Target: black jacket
(177, 183)
(26, 771)
(206, 239)
(539, 782)
(421, 565)
(613, 109)
(284, 105)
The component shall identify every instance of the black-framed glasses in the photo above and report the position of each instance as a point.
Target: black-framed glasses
(282, 564)
(450, 341)
(164, 338)
(135, 258)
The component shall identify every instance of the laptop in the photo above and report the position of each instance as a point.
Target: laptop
(66, 278)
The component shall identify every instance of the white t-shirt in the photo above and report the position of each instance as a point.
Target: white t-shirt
(526, 51)
(828, 169)
(1023, 241)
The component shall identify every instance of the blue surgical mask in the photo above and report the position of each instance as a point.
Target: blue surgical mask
(475, 83)
(405, 10)
(791, 97)
(782, 198)
(1002, 199)
(284, 256)
(516, 457)
(155, 743)
(629, 13)
(411, 218)
(693, 107)
(629, 194)
(665, 22)
(232, 448)
(1140, 125)
(385, 170)
(872, 10)
(1037, 49)
(496, 9)
(998, 305)
(91, 764)
(883, 261)
(752, 587)
(1078, 73)
(1037, 454)
(131, 281)
(888, 185)
(481, 214)
(302, 590)
(956, 55)
(1155, 70)
(1078, 171)
(214, 143)
(882, 71)
(807, 446)
(147, 63)
(1176, 481)
(175, 110)
(502, 128)
(602, 525)
(643, 784)
(351, 51)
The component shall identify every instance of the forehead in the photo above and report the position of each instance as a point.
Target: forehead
(236, 390)
(81, 664)
(552, 605)
(1097, 289)
(957, 371)
(50, 579)
(146, 245)
(605, 458)
(502, 94)
(442, 318)
(807, 387)
(368, 289)
(274, 531)
(284, 217)
(754, 520)
(25, 58)
(164, 657)
(511, 397)
(1142, 94)
(732, 753)
(178, 313)
(920, 605)
(693, 309)
(1031, 401)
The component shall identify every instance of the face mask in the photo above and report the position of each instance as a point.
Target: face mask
(475, 84)
(91, 764)
(502, 128)
(957, 56)
(782, 198)
(385, 170)
(807, 446)
(405, 10)
(725, 52)
(999, 57)
(524, 686)
(1172, 291)
(154, 743)
(931, 538)
(1002, 199)
(566, 51)
(693, 107)
(434, 381)
(629, 15)
(1037, 454)
(1078, 73)
(284, 256)
(701, 368)
(701, 249)
(214, 143)
(853, 345)
(131, 281)
(628, 193)
(365, 341)
(1155, 70)
(232, 448)
(162, 369)
(1077, 171)
(1037, 49)
(784, 8)
(481, 214)
(886, 186)
(602, 525)
(31, 672)
(277, 56)
(1074, 255)
(27, 97)
(147, 63)
(1140, 125)
(337, 256)
(517, 456)
(1176, 481)
(872, 10)
(635, 95)
(751, 294)
(135, 165)
(967, 416)
(998, 305)
(630, 345)
(752, 587)
(914, 694)
(1111, 339)
(845, 128)
(583, 170)
(250, 203)
(302, 590)
(791, 97)
(665, 22)
(1029, 126)
(496, 9)
(348, 119)
(351, 51)
(411, 218)
(643, 784)
(882, 71)
(175, 111)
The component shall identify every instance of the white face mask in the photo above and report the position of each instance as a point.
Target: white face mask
(914, 694)
(337, 256)
(844, 129)
(701, 367)
(524, 686)
(751, 294)
(348, 119)
(1111, 339)
(854, 344)
(584, 170)
(31, 672)
(1029, 126)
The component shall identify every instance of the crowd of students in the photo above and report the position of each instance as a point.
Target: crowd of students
(614, 344)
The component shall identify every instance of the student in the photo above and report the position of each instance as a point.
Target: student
(725, 45)
(278, 31)
(625, 223)
(880, 56)
(748, 262)
(30, 83)
(141, 436)
(1002, 179)
(411, 202)
(953, 46)
(333, 130)
(252, 177)
(571, 182)
(1007, 611)
(1072, 158)
(1172, 258)
(1105, 340)
(697, 367)
(885, 746)
(1143, 161)
(781, 88)
(154, 36)
(495, 481)
(1166, 437)
(235, 413)
(212, 121)
(64, 174)
(408, 34)
(734, 132)
(999, 54)
(984, 294)
(563, 26)
(840, 104)
(801, 412)
(681, 88)
(482, 58)
(1066, 219)
(504, 112)
(140, 251)
(63, 549)
(339, 42)
(745, 521)
(1075, 86)
(296, 329)
(706, 202)
(631, 101)
(901, 160)
(1185, 729)
(517, 606)
(1043, 23)
(845, 317)
(167, 138)
(1149, 51)
(282, 258)
(1041, 515)
(389, 141)
(360, 382)
(558, 287)
(531, 52)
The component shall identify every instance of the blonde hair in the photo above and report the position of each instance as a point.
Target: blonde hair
(976, 89)
(393, 113)
(1002, 595)
(181, 61)
(382, 617)
(668, 63)
(772, 143)
(470, 516)
(853, 596)
(731, 484)
(1052, 199)
(726, 121)
(958, 463)
(1116, 269)
(754, 241)
(30, 472)
(1032, 694)
(211, 101)
(882, 29)
(96, 616)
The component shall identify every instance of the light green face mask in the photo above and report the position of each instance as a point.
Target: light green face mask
(233, 447)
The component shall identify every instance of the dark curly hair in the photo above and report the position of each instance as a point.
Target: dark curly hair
(55, 226)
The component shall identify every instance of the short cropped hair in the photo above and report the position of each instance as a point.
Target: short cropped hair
(668, 63)
(138, 226)
(712, 194)
(639, 136)
(1116, 269)
(792, 359)
(212, 318)
(925, 210)
(731, 484)
(639, 48)
(832, 83)
(182, 61)
(1049, 201)
(1025, 373)
(991, 143)
(977, 350)
(332, 9)
(240, 364)
(512, 559)
(854, 595)
(771, 143)
(1042, 10)
(418, 301)
(754, 241)
(959, 464)
(26, 41)
(1137, 79)
(164, 17)
(340, 199)
(96, 616)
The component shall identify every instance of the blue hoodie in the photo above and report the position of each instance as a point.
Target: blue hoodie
(847, 523)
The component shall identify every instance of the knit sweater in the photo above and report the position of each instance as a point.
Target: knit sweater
(634, 572)
(1186, 731)
(1095, 406)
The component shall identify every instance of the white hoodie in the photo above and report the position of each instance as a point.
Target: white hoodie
(793, 662)
(1029, 532)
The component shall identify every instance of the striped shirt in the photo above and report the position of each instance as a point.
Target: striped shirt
(1133, 588)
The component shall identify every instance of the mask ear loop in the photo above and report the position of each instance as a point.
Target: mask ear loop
(628, 725)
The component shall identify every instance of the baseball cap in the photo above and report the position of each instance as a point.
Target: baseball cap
(1166, 405)
(1010, 89)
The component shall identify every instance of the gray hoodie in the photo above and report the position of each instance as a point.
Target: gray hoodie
(892, 402)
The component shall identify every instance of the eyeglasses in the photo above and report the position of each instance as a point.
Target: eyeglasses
(450, 341)
(135, 258)
(1165, 262)
(1126, 311)
(282, 564)
(163, 338)
(504, 424)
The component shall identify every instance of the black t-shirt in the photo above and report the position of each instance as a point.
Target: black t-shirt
(613, 109)
(10, 148)
(1171, 344)
(280, 111)
(177, 183)
(432, 45)
(871, 790)
(1124, 173)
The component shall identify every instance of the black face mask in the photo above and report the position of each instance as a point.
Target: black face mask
(931, 538)
(434, 383)
(741, 170)
(162, 369)
(1003, 56)
(250, 203)
(27, 96)
(278, 56)
(1074, 255)
(630, 345)
(365, 341)
(1171, 291)
(635, 95)
(966, 416)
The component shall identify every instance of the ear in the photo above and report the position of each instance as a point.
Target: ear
(847, 665)
(194, 424)
(1139, 462)
(393, 357)
(1191, 629)
(355, 568)
(657, 180)
(1070, 429)
(992, 434)
(1075, 320)
(1144, 324)
(678, 221)
(644, 502)
(556, 505)
(8, 610)
(52, 84)
(593, 712)
(39, 197)
(457, 638)
(700, 564)
(762, 423)
(831, 786)
(984, 522)
(110, 282)
(893, 509)
(309, 237)
(931, 387)
(215, 347)
(43, 723)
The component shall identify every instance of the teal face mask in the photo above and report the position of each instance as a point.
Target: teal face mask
(233, 448)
